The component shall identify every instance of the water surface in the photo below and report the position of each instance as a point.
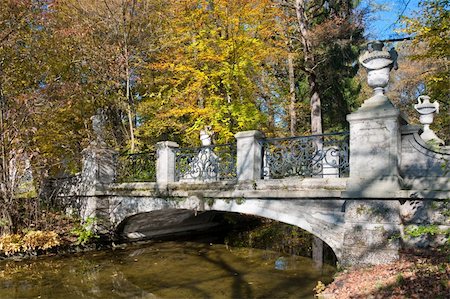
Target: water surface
(164, 270)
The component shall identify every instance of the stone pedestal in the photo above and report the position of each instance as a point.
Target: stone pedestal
(99, 165)
(165, 163)
(249, 155)
(375, 149)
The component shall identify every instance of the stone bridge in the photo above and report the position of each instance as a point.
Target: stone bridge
(357, 194)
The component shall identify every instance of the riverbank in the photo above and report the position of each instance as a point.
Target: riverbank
(52, 233)
(418, 274)
(57, 233)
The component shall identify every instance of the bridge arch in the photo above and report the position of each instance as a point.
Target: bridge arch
(324, 224)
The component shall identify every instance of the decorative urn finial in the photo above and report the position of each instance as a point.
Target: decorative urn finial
(205, 136)
(427, 110)
(378, 63)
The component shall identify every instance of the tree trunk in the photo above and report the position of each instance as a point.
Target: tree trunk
(317, 252)
(309, 59)
(5, 182)
(128, 97)
(292, 96)
(316, 107)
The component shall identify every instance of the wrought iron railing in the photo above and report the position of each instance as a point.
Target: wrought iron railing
(137, 167)
(306, 156)
(206, 163)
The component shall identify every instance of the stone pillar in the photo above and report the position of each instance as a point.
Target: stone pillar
(375, 150)
(165, 163)
(375, 139)
(249, 155)
(371, 218)
(99, 160)
(99, 165)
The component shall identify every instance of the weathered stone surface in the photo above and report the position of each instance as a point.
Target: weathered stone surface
(422, 164)
(376, 236)
(249, 155)
(372, 211)
(99, 165)
(367, 256)
(165, 164)
(375, 152)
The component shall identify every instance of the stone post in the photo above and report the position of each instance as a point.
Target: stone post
(249, 155)
(99, 160)
(165, 163)
(99, 165)
(372, 224)
(375, 150)
(371, 219)
(375, 138)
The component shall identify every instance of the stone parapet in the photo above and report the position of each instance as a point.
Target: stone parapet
(420, 161)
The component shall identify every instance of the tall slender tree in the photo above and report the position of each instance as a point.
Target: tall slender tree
(326, 31)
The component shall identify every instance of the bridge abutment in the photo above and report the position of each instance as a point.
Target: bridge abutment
(371, 231)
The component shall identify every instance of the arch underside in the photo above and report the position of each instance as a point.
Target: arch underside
(324, 219)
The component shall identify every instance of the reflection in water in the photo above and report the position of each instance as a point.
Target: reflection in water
(164, 270)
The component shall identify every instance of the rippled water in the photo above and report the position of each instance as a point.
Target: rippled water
(164, 270)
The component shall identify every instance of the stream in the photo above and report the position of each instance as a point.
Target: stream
(164, 270)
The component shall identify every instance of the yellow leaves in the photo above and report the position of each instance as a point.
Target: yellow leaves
(10, 244)
(32, 240)
(40, 240)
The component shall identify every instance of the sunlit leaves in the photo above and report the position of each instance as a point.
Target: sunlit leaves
(431, 30)
(211, 73)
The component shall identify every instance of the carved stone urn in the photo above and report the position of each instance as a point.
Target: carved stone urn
(378, 62)
(427, 110)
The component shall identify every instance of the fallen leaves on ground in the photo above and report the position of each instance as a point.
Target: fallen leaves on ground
(423, 274)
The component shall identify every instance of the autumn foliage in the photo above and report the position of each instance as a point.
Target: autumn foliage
(162, 70)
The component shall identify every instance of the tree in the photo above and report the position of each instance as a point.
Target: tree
(116, 38)
(327, 32)
(213, 71)
(17, 24)
(431, 29)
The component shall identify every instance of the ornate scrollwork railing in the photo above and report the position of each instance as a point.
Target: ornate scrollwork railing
(306, 156)
(206, 163)
(137, 167)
